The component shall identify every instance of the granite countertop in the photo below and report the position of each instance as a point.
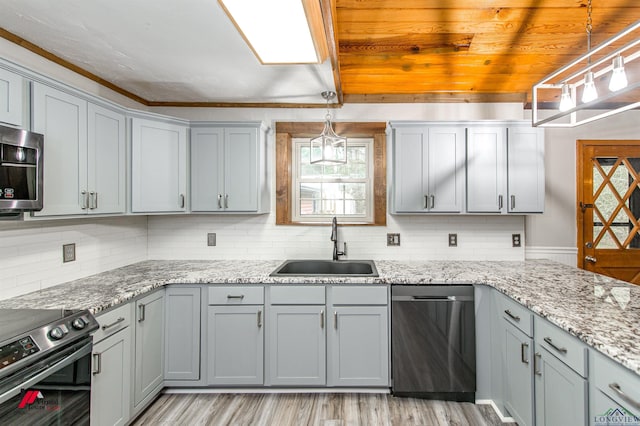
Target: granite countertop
(602, 312)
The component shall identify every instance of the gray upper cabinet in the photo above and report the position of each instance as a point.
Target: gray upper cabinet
(149, 348)
(505, 169)
(428, 169)
(182, 329)
(12, 97)
(228, 168)
(158, 166)
(84, 155)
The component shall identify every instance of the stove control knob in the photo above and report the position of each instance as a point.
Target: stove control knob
(56, 333)
(79, 324)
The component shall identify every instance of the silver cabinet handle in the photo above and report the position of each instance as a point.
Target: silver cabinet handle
(433, 201)
(426, 201)
(116, 322)
(590, 259)
(513, 317)
(84, 200)
(617, 389)
(500, 202)
(524, 348)
(259, 319)
(141, 312)
(559, 349)
(536, 365)
(95, 200)
(219, 201)
(335, 320)
(513, 202)
(97, 364)
(226, 201)
(182, 201)
(231, 296)
(92, 200)
(322, 319)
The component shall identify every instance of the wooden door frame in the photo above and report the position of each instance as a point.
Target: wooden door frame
(581, 144)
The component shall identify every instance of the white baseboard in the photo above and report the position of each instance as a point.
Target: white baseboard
(566, 255)
(490, 402)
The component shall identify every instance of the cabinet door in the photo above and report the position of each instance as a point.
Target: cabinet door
(486, 169)
(182, 328)
(445, 169)
(11, 98)
(518, 375)
(158, 166)
(106, 160)
(241, 169)
(111, 381)
(409, 156)
(561, 393)
(62, 118)
(235, 343)
(149, 351)
(297, 345)
(207, 171)
(525, 153)
(359, 346)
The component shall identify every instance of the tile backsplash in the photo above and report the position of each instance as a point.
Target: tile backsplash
(257, 237)
(31, 251)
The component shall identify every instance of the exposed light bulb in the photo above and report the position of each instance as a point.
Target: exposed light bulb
(618, 76)
(566, 102)
(590, 93)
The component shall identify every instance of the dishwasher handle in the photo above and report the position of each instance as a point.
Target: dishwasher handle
(432, 298)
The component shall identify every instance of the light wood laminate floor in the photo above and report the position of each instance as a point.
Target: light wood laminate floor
(322, 409)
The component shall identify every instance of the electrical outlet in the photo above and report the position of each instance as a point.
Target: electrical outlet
(393, 239)
(68, 252)
(211, 239)
(515, 240)
(453, 240)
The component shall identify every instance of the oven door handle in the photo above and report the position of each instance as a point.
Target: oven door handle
(50, 369)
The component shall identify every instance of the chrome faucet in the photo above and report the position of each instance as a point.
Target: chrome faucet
(334, 238)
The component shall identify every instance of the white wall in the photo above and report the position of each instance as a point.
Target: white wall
(31, 251)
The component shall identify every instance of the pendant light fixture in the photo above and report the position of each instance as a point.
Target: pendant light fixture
(589, 92)
(618, 76)
(328, 147)
(566, 101)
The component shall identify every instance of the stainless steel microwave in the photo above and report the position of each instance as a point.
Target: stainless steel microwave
(21, 170)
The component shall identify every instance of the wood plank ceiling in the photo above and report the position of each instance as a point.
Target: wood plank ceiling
(464, 50)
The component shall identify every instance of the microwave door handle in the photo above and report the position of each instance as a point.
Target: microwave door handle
(68, 360)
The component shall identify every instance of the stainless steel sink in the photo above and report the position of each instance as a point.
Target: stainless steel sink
(340, 268)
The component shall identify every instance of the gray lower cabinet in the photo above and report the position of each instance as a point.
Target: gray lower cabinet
(182, 334)
(111, 369)
(297, 345)
(149, 348)
(518, 374)
(235, 345)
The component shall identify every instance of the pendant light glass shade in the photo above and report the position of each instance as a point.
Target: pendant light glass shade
(566, 101)
(618, 76)
(589, 92)
(328, 147)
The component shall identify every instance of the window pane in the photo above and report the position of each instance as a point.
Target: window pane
(310, 190)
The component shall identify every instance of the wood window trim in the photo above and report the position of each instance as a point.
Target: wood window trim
(287, 131)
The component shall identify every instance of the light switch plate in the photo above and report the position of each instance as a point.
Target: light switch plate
(68, 252)
(453, 240)
(516, 241)
(393, 239)
(211, 239)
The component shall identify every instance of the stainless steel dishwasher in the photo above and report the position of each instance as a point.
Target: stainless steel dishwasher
(433, 344)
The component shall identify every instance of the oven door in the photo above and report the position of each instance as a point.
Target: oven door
(53, 391)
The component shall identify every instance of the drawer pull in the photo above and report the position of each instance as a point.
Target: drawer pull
(550, 342)
(141, 312)
(113, 324)
(536, 366)
(500, 202)
(617, 389)
(524, 348)
(513, 317)
(231, 296)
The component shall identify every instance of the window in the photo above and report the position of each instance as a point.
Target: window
(336, 198)
(321, 191)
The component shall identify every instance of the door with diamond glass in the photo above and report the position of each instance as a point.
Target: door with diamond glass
(608, 210)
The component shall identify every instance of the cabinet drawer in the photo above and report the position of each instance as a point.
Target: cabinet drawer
(112, 321)
(516, 314)
(359, 295)
(236, 295)
(615, 381)
(297, 295)
(565, 347)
